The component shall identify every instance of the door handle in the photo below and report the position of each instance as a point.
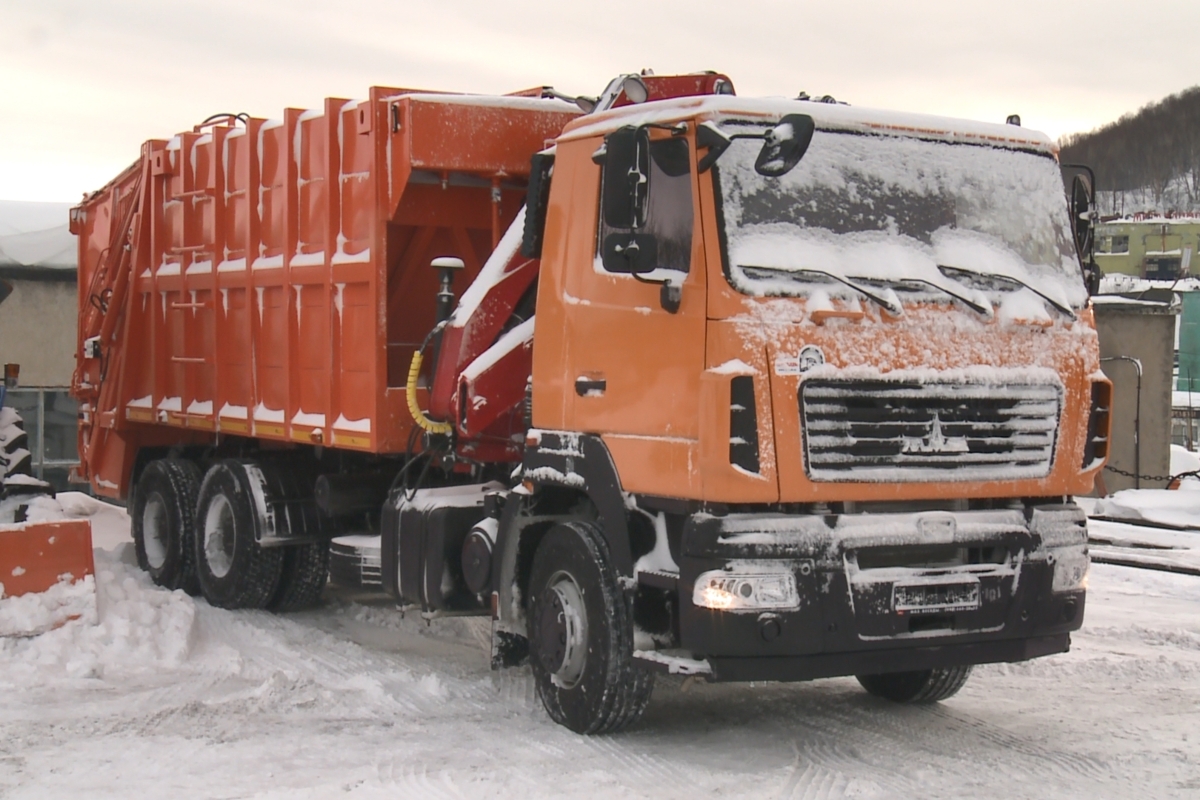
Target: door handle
(590, 387)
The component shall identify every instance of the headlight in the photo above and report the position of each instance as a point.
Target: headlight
(1070, 568)
(736, 591)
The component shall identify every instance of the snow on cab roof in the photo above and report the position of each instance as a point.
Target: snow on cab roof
(828, 116)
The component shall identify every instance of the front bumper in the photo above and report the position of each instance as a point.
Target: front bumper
(887, 592)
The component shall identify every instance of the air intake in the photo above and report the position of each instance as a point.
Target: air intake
(743, 424)
(1095, 450)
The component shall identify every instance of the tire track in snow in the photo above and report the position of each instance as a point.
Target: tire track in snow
(900, 731)
(830, 763)
(810, 781)
(828, 746)
(414, 780)
(1064, 762)
(624, 753)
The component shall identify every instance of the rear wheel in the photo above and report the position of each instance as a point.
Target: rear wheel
(304, 573)
(922, 686)
(163, 522)
(234, 570)
(581, 634)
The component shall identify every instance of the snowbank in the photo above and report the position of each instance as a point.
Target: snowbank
(1163, 506)
(1184, 460)
(38, 508)
(125, 623)
(110, 524)
(138, 628)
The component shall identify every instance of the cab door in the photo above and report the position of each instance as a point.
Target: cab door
(636, 348)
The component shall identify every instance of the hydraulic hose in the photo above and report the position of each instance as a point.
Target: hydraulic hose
(432, 426)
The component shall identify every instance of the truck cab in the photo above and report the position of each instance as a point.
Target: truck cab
(826, 380)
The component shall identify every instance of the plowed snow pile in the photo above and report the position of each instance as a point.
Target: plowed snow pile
(132, 627)
(168, 697)
(140, 628)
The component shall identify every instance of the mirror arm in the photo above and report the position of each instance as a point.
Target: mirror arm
(1090, 173)
(717, 142)
(670, 295)
(676, 128)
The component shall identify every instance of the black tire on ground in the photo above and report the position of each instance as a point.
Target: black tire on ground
(923, 686)
(581, 634)
(305, 571)
(15, 458)
(163, 520)
(234, 571)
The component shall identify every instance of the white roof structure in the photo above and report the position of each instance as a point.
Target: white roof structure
(36, 236)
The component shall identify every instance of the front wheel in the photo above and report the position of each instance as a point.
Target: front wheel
(581, 634)
(922, 686)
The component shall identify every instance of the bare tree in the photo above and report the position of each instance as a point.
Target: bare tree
(1152, 155)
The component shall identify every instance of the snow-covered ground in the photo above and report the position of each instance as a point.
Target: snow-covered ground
(169, 698)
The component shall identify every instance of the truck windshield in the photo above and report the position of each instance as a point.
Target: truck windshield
(889, 209)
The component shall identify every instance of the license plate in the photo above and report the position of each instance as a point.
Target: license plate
(930, 598)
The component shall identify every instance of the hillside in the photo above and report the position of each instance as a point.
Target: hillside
(1148, 160)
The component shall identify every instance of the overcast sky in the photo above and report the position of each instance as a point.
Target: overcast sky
(82, 84)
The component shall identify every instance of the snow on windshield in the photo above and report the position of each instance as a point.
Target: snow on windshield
(890, 208)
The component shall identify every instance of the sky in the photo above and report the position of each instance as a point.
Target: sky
(82, 84)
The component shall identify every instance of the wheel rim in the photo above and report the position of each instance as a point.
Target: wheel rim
(563, 630)
(219, 536)
(155, 530)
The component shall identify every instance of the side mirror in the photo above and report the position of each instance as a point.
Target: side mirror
(784, 145)
(633, 253)
(1081, 214)
(1081, 199)
(626, 177)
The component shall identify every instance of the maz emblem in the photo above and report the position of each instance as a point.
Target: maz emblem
(934, 442)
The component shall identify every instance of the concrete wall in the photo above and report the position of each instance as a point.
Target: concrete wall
(37, 328)
(1143, 329)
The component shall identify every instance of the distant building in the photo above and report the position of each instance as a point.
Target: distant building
(1150, 247)
(37, 328)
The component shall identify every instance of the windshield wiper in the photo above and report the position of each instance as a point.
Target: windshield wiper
(978, 308)
(949, 272)
(895, 309)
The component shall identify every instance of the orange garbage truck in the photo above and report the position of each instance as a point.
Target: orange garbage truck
(664, 380)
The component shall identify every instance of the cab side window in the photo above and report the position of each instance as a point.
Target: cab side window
(668, 210)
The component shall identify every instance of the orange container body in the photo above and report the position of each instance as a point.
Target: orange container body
(270, 278)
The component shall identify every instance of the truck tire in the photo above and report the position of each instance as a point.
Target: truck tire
(15, 458)
(922, 686)
(581, 634)
(304, 573)
(163, 522)
(234, 571)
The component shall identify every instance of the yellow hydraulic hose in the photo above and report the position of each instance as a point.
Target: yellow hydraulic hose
(418, 415)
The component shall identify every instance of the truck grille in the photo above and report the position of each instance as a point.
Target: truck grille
(862, 430)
